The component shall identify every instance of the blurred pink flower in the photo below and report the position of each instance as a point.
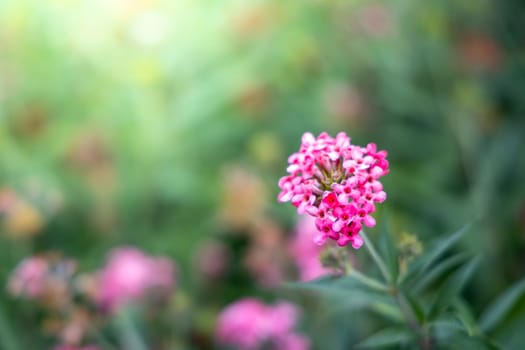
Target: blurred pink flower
(71, 347)
(29, 278)
(211, 259)
(377, 20)
(45, 278)
(249, 324)
(345, 103)
(305, 253)
(244, 198)
(265, 259)
(7, 199)
(129, 274)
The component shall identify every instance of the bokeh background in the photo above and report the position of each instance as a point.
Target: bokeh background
(165, 125)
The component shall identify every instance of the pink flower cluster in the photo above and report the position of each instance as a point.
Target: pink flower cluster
(306, 254)
(42, 278)
(337, 183)
(29, 278)
(129, 274)
(70, 347)
(249, 324)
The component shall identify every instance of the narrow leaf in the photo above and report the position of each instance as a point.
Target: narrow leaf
(498, 310)
(463, 341)
(438, 271)
(416, 308)
(340, 284)
(466, 317)
(446, 328)
(386, 337)
(449, 330)
(388, 249)
(442, 246)
(388, 310)
(454, 286)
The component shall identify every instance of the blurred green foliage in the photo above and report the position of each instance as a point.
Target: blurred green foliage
(122, 121)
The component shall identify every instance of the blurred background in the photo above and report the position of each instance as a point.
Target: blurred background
(165, 126)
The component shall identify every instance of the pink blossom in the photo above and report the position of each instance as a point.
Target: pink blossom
(211, 259)
(266, 256)
(306, 254)
(29, 278)
(71, 347)
(249, 324)
(129, 274)
(337, 183)
(45, 278)
(377, 20)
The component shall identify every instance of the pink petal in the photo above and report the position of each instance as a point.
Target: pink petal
(343, 241)
(369, 221)
(320, 239)
(284, 196)
(357, 241)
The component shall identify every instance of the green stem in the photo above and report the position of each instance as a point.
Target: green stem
(370, 282)
(377, 259)
(7, 339)
(342, 258)
(130, 338)
(101, 339)
(401, 299)
(407, 311)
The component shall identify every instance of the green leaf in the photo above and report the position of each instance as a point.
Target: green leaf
(458, 281)
(352, 293)
(438, 271)
(453, 286)
(466, 317)
(354, 280)
(420, 265)
(463, 341)
(387, 247)
(352, 300)
(349, 292)
(386, 337)
(444, 245)
(388, 310)
(382, 306)
(324, 284)
(499, 309)
(416, 308)
(446, 328)
(450, 330)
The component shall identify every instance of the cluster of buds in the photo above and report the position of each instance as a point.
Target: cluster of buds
(337, 183)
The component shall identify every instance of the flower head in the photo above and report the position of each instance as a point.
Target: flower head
(337, 183)
(249, 324)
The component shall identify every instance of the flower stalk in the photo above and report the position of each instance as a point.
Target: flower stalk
(401, 299)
